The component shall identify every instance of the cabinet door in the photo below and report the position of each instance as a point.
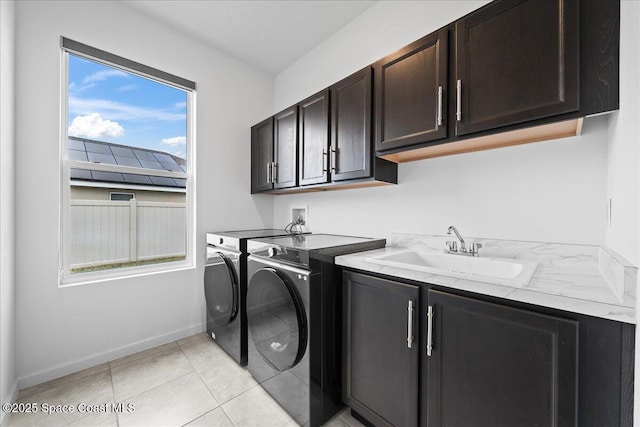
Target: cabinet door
(351, 127)
(314, 139)
(410, 97)
(261, 156)
(516, 61)
(380, 360)
(498, 366)
(286, 148)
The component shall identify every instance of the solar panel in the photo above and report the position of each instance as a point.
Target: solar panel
(161, 180)
(127, 161)
(107, 176)
(137, 179)
(97, 148)
(80, 174)
(151, 165)
(77, 155)
(101, 158)
(123, 152)
(74, 144)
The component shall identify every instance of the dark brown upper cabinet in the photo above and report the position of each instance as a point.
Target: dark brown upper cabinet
(313, 147)
(351, 148)
(411, 93)
(285, 147)
(516, 61)
(262, 156)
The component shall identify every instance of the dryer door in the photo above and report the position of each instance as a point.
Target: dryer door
(221, 288)
(277, 318)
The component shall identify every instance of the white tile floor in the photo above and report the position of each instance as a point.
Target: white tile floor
(189, 382)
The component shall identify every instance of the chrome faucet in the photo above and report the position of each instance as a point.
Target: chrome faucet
(452, 246)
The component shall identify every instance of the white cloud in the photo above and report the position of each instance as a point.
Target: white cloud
(175, 141)
(180, 154)
(127, 88)
(103, 75)
(118, 111)
(93, 126)
(180, 105)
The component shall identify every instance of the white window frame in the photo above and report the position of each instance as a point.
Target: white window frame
(65, 278)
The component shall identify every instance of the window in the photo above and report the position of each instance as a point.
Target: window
(127, 167)
(123, 197)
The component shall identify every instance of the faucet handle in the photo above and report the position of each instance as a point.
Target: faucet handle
(475, 246)
(452, 245)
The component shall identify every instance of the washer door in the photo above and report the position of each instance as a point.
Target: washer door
(277, 318)
(221, 290)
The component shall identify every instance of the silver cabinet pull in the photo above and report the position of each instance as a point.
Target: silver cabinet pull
(429, 330)
(274, 172)
(325, 156)
(334, 154)
(439, 119)
(410, 324)
(268, 172)
(459, 101)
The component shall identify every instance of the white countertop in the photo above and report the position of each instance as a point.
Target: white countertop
(582, 279)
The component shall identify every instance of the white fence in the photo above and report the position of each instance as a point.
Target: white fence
(105, 232)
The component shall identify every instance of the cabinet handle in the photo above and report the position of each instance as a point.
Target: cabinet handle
(268, 172)
(409, 324)
(325, 156)
(439, 119)
(459, 101)
(334, 154)
(274, 172)
(429, 330)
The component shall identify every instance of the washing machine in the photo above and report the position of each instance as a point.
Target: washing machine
(293, 313)
(225, 288)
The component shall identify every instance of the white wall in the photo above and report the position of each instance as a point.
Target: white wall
(623, 155)
(60, 330)
(8, 384)
(623, 175)
(552, 191)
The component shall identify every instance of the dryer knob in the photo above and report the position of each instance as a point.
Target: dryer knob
(272, 252)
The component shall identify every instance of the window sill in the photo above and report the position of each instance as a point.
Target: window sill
(122, 273)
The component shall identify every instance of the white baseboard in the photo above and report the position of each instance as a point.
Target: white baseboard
(76, 365)
(11, 398)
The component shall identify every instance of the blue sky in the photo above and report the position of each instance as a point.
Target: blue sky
(107, 104)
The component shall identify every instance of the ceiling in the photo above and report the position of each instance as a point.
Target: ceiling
(270, 35)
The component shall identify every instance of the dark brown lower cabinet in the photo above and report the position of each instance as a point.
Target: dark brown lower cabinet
(498, 366)
(380, 349)
(480, 361)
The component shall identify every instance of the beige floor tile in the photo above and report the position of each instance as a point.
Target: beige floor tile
(256, 408)
(62, 380)
(227, 380)
(203, 353)
(91, 390)
(144, 374)
(216, 418)
(345, 416)
(172, 404)
(191, 338)
(142, 354)
(336, 422)
(96, 420)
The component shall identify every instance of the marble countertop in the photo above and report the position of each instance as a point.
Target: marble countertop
(583, 279)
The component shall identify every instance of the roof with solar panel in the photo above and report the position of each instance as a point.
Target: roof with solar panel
(88, 150)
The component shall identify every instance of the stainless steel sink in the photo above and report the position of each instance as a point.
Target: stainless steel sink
(502, 271)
